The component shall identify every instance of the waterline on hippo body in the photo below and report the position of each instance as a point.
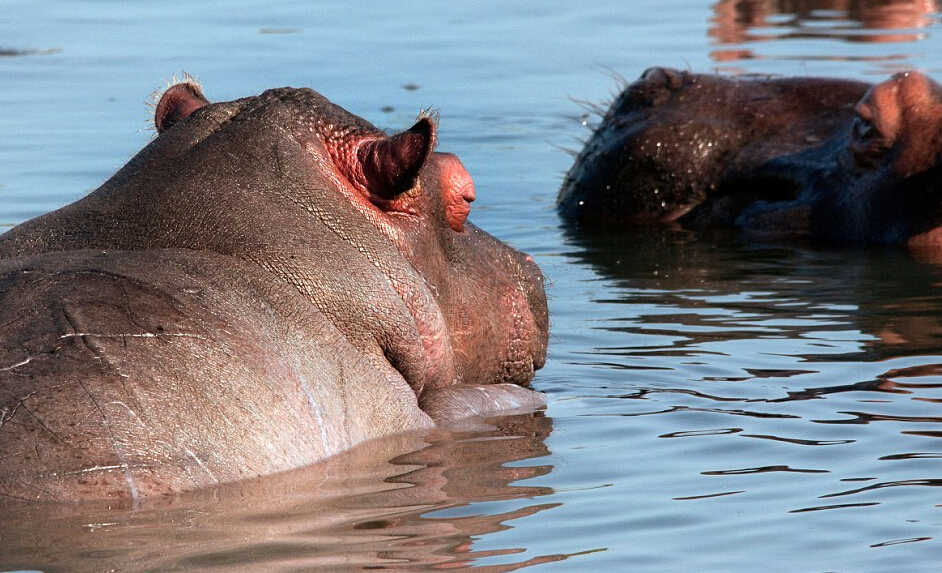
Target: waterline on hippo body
(250, 308)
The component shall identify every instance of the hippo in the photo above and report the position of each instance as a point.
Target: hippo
(269, 282)
(780, 158)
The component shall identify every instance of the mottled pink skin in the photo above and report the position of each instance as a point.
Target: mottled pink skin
(776, 157)
(269, 282)
(459, 187)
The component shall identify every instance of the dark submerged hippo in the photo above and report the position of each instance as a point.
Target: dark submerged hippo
(807, 157)
(269, 282)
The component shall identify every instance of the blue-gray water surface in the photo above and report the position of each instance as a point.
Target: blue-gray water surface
(714, 405)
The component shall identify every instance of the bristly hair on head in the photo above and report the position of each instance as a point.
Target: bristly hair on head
(430, 114)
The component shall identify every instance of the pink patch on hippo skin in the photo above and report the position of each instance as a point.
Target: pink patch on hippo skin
(929, 240)
(177, 103)
(382, 168)
(457, 190)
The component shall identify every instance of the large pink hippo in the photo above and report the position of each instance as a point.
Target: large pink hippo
(777, 157)
(269, 282)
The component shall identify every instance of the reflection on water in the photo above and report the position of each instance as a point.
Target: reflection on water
(711, 288)
(826, 359)
(738, 22)
(420, 511)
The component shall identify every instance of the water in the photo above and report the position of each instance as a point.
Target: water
(714, 405)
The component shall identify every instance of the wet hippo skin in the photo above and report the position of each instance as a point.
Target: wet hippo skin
(269, 282)
(776, 157)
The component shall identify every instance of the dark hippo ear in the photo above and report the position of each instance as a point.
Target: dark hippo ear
(390, 165)
(178, 103)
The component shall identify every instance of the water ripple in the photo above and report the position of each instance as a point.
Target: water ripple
(884, 485)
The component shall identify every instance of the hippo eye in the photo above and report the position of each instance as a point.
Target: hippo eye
(867, 143)
(864, 129)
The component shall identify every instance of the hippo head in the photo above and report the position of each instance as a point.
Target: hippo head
(674, 141)
(477, 305)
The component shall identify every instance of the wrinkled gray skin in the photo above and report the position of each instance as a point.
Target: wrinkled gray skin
(269, 282)
(776, 157)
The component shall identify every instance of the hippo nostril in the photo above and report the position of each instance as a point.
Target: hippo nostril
(655, 75)
(658, 77)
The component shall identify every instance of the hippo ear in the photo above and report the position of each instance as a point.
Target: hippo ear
(391, 165)
(178, 103)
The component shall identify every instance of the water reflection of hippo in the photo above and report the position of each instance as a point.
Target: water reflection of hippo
(736, 22)
(369, 505)
(824, 158)
(697, 290)
(269, 282)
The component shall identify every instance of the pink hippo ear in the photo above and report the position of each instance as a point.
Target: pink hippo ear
(877, 123)
(178, 103)
(900, 119)
(389, 166)
(384, 169)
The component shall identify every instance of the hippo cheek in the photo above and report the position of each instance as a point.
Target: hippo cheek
(517, 317)
(531, 282)
(494, 377)
(492, 302)
(525, 351)
(523, 330)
